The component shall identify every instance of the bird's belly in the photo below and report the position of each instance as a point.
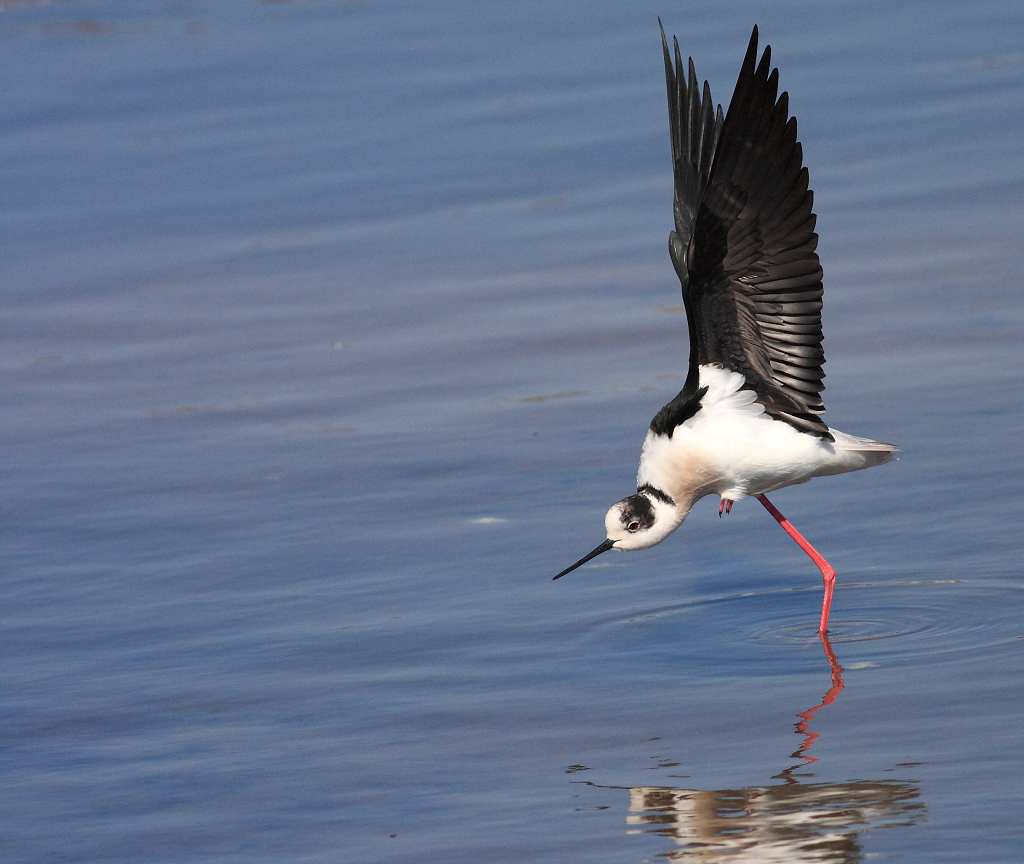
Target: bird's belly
(758, 454)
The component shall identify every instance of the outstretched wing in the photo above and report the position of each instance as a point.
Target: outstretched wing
(694, 126)
(751, 277)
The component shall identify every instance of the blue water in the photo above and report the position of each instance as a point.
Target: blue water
(330, 331)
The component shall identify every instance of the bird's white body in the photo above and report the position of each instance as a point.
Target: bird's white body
(732, 448)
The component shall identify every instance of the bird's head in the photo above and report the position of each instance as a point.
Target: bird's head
(636, 522)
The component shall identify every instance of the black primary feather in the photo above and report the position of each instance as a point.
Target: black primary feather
(744, 243)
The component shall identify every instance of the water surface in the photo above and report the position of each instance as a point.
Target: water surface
(330, 331)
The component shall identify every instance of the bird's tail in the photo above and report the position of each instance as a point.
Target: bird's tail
(862, 452)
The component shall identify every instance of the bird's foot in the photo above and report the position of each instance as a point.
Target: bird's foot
(724, 506)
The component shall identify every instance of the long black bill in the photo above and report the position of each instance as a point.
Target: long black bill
(604, 547)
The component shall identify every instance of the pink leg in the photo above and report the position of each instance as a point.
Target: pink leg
(828, 573)
(725, 504)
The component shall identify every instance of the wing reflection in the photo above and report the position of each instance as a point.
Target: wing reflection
(785, 823)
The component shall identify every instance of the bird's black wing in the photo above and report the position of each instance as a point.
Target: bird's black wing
(694, 126)
(750, 273)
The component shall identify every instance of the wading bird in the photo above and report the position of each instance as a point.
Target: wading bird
(748, 419)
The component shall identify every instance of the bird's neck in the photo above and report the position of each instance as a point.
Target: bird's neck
(674, 468)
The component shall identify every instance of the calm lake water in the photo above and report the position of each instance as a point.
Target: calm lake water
(330, 331)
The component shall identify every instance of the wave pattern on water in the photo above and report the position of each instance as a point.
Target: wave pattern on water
(331, 328)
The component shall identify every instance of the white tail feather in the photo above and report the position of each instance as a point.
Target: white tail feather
(863, 452)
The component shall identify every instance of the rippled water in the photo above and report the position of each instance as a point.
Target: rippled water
(330, 331)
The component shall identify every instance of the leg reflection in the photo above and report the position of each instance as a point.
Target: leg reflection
(803, 725)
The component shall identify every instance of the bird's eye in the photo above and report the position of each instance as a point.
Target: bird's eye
(633, 526)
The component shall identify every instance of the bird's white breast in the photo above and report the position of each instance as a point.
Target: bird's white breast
(731, 447)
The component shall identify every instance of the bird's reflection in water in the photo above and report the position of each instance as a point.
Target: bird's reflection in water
(791, 821)
(788, 824)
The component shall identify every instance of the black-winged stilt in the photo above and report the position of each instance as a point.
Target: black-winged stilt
(748, 419)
